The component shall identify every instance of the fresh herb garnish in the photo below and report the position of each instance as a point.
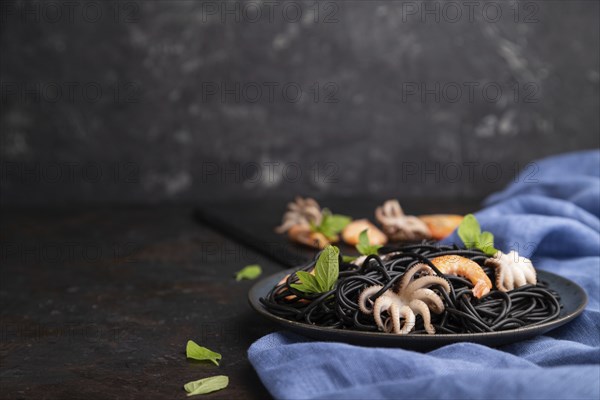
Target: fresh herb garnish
(348, 259)
(196, 352)
(364, 247)
(331, 224)
(325, 275)
(470, 233)
(206, 385)
(249, 272)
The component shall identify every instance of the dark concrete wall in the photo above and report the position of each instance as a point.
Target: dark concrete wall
(195, 100)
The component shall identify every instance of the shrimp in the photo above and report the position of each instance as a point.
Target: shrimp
(441, 225)
(352, 231)
(303, 235)
(469, 269)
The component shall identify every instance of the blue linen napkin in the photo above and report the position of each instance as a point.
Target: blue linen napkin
(551, 214)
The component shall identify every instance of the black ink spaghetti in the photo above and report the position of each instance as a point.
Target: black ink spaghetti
(463, 313)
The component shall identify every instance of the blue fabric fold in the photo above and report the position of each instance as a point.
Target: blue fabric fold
(551, 213)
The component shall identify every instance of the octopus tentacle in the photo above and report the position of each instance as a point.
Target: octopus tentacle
(519, 277)
(413, 296)
(428, 296)
(381, 305)
(426, 281)
(409, 320)
(512, 270)
(501, 276)
(364, 296)
(397, 225)
(395, 318)
(410, 273)
(421, 309)
(530, 275)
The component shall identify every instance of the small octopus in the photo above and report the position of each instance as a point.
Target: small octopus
(300, 212)
(413, 296)
(297, 220)
(399, 226)
(512, 270)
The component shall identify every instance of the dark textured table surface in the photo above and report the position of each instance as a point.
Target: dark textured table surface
(100, 302)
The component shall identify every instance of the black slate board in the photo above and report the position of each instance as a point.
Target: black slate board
(252, 222)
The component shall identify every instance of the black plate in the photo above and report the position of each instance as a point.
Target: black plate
(573, 298)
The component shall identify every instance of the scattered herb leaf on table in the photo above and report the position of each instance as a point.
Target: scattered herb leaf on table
(196, 352)
(206, 385)
(249, 272)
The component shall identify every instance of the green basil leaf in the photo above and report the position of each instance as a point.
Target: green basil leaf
(196, 352)
(338, 222)
(249, 272)
(328, 268)
(348, 259)
(331, 224)
(308, 279)
(469, 231)
(206, 385)
(486, 243)
(328, 232)
(373, 249)
(304, 288)
(363, 239)
(308, 283)
(364, 247)
(326, 274)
